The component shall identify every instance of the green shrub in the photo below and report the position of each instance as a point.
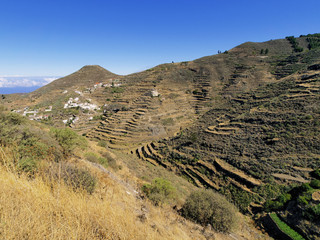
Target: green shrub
(305, 187)
(31, 143)
(207, 207)
(117, 90)
(97, 117)
(315, 184)
(159, 191)
(272, 205)
(33, 147)
(15, 118)
(68, 139)
(28, 165)
(313, 40)
(304, 199)
(284, 198)
(279, 203)
(193, 137)
(313, 212)
(104, 161)
(294, 44)
(316, 174)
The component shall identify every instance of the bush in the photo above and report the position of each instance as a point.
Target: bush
(314, 41)
(207, 207)
(159, 191)
(97, 117)
(15, 118)
(294, 44)
(68, 139)
(79, 178)
(272, 205)
(316, 173)
(33, 147)
(92, 157)
(305, 187)
(28, 165)
(279, 203)
(117, 90)
(315, 184)
(313, 212)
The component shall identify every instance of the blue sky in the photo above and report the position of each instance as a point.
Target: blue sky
(56, 38)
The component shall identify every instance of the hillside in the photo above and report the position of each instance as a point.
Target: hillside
(268, 134)
(183, 91)
(250, 146)
(244, 122)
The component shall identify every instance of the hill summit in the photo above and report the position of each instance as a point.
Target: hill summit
(86, 76)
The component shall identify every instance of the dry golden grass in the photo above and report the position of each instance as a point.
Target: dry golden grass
(35, 209)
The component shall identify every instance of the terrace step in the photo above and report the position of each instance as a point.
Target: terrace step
(203, 179)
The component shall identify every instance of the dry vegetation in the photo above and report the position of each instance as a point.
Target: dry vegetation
(37, 209)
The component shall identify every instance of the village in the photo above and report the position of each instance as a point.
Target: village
(79, 102)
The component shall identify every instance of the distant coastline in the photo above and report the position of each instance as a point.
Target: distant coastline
(10, 90)
(23, 84)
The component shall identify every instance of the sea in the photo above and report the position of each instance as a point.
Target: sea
(23, 84)
(10, 90)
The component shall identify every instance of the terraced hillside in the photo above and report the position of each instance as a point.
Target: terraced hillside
(247, 143)
(184, 91)
(221, 120)
(244, 122)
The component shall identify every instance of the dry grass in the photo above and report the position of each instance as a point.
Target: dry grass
(35, 209)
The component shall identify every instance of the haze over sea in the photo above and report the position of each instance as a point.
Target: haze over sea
(23, 84)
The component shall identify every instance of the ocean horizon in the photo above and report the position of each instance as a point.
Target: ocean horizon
(11, 90)
(23, 84)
